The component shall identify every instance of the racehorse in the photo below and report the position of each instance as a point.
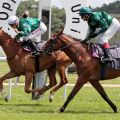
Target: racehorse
(21, 63)
(88, 67)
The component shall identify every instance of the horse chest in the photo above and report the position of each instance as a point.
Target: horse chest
(15, 66)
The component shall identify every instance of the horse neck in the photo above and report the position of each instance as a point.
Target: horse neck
(75, 50)
(9, 46)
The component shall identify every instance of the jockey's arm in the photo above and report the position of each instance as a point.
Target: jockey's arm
(25, 32)
(104, 26)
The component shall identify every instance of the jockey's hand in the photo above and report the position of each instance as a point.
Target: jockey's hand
(87, 39)
(93, 35)
(16, 37)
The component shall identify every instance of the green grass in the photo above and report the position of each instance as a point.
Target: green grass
(87, 105)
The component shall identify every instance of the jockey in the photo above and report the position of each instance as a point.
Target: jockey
(28, 28)
(101, 25)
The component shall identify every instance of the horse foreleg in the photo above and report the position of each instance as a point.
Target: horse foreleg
(78, 85)
(102, 92)
(28, 81)
(52, 78)
(63, 81)
(6, 76)
(63, 78)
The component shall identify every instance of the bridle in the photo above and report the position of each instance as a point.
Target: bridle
(56, 39)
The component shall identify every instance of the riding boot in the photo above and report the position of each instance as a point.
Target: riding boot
(35, 49)
(107, 55)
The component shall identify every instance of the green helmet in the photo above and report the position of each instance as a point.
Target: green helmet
(85, 10)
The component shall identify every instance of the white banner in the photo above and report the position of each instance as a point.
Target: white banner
(7, 8)
(74, 25)
(46, 4)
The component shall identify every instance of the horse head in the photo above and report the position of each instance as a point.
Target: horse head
(54, 43)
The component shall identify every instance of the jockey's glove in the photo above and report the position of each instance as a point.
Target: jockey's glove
(17, 37)
(93, 35)
(86, 40)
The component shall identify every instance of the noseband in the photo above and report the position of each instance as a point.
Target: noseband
(57, 39)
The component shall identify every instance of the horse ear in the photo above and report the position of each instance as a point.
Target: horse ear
(0, 28)
(59, 32)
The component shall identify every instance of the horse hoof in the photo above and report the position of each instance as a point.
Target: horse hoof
(51, 98)
(6, 99)
(115, 110)
(37, 97)
(62, 109)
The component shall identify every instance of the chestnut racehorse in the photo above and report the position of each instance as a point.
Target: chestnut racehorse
(88, 67)
(21, 63)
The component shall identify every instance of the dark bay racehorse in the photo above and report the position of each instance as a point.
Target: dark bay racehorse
(88, 67)
(21, 63)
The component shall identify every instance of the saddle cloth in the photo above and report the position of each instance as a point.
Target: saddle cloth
(98, 52)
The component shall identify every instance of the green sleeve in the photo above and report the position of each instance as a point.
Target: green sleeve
(25, 31)
(17, 36)
(24, 27)
(102, 23)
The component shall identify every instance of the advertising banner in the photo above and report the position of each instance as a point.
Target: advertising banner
(74, 25)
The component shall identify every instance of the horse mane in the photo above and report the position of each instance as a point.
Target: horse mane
(78, 40)
(9, 36)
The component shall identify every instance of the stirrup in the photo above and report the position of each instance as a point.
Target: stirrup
(106, 60)
(34, 54)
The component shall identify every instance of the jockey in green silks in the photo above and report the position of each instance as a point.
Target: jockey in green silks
(101, 25)
(28, 28)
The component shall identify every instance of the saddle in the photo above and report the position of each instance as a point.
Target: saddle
(97, 52)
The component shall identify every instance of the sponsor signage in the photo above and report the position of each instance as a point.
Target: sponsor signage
(74, 25)
(7, 8)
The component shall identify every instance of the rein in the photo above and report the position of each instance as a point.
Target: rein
(67, 46)
(76, 51)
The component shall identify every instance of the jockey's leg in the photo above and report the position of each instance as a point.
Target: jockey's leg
(39, 31)
(107, 55)
(34, 47)
(104, 37)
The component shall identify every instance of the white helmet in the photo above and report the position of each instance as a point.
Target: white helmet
(12, 20)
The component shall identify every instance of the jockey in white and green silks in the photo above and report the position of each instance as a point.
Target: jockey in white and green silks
(103, 26)
(28, 28)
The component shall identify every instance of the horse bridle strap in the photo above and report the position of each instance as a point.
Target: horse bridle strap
(68, 46)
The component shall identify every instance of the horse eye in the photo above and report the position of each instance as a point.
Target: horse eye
(53, 44)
